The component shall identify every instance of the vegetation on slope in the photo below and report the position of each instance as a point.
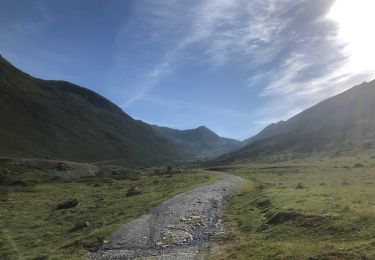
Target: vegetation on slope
(317, 208)
(57, 119)
(345, 122)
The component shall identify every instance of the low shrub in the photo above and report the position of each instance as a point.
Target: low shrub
(67, 204)
(300, 186)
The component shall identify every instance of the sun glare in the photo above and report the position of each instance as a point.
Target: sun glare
(356, 20)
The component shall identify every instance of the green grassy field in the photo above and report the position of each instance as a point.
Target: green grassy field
(31, 227)
(320, 208)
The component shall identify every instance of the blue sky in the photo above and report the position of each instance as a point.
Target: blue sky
(232, 65)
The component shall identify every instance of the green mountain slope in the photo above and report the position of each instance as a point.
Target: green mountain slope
(57, 119)
(345, 122)
(199, 142)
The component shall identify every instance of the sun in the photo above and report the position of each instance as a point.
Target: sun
(356, 21)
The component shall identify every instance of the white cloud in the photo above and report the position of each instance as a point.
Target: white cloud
(221, 30)
(291, 49)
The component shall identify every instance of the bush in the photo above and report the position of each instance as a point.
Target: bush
(300, 186)
(4, 176)
(67, 204)
(19, 184)
(56, 179)
(61, 167)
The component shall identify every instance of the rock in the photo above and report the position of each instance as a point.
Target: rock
(133, 191)
(195, 217)
(263, 227)
(67, 204)
(80, 225)
(61, 167)
(175, 229)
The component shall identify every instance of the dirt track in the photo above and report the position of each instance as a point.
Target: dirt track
(179, 228)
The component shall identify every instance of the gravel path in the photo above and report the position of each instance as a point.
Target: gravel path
(179, 228)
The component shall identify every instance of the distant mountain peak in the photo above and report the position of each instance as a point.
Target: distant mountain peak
(205, 130)
(200, 141)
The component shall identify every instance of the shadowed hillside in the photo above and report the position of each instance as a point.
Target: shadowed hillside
(57, 119)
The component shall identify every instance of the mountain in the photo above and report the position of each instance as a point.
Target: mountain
(60, 120)
(269, 131)
(199, 142)
(345, 122)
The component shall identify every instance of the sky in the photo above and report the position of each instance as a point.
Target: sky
(234, 66)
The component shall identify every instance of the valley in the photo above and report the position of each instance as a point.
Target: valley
(81, 179)
(319, 207)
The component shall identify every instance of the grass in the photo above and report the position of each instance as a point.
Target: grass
(317, 208)
(31, 227)
(59, 120)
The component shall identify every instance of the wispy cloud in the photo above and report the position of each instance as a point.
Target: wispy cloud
(290, 49)
(217, 29)
(253, 61)
(253, 33)
(315, 66)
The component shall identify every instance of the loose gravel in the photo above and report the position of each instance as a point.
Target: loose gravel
(179, 228)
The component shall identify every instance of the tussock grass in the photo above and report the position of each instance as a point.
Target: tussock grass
(316, 208)
(31, 226)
